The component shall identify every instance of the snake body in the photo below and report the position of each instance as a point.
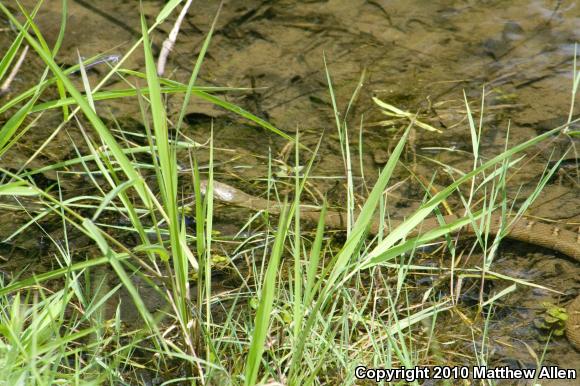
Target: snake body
(537, 233)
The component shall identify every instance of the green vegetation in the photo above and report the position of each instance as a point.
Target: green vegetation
(311, 308)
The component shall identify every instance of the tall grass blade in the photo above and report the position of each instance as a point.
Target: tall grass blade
(267, 296)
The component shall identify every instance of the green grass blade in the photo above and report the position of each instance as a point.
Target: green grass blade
(267, 296)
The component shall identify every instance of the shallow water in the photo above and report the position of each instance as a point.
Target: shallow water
(420, 56)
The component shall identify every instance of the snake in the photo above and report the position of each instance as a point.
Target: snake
(522, 229)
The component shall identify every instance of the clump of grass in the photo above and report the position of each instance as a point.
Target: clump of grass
(333, 306)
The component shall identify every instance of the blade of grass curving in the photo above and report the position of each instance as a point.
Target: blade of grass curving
(43, 83)
(9, 129)
(208, 220)
(199, 209)
(344, 147)
(86, 83)
(92, 158)
(102, 95)
(243, 113)
(349, 183)
(168, 177)
(46, 50)
(348, 162)
(331, 91)
(474, 139)
(10, 54)
(575, 84)
(415, 318)
(198, 92)
(57, 44)
(54, 274)
(168, 173)
(356, 93)
(360, 154)
(16, 135)
(62, 29)
(412, 243)
(297, 306)
(166, 10)
(109, 197)
(315, 254)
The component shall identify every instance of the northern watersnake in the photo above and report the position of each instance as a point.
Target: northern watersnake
(537, 233)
